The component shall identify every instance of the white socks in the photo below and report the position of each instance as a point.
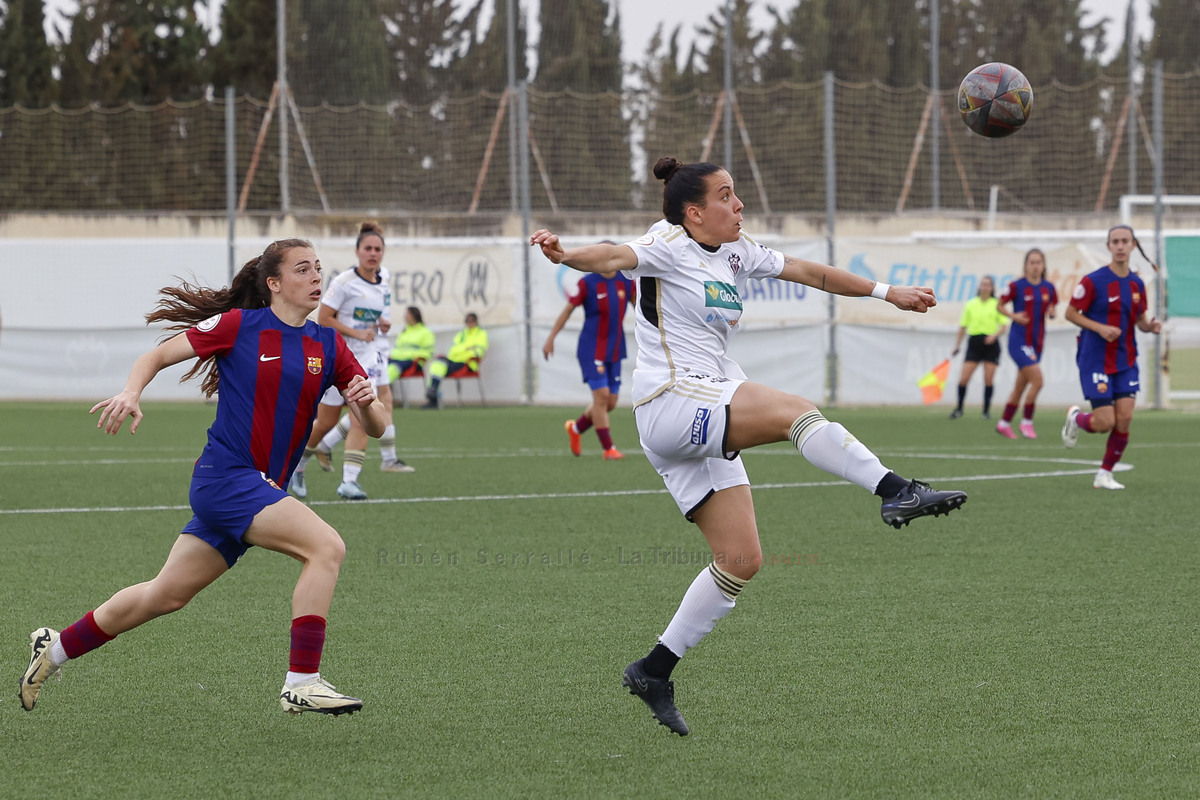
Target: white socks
(336, 434)
(704, 604)
(294, 679)
(829, 446)
(387, 444)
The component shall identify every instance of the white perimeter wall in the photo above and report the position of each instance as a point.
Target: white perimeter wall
(72, 311)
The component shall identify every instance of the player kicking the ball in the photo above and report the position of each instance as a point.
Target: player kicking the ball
(696, 411)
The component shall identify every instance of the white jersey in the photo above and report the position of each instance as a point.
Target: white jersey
(689, 305)
(359, 305)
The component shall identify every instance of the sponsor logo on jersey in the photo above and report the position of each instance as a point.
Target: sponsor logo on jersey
(367, 314)
(314, 364)
(735, 262)
(645, 241)
(721, 295)
(1079, 291)
(700, 426)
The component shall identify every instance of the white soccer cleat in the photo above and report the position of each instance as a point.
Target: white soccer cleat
(40, 667)
(319, 696)
(325, 460)
(350, 490)
(395, 466)
(1105, 480)
(1070, 428)
(297, 485)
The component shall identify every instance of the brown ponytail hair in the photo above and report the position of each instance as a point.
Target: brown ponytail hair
(186, 305)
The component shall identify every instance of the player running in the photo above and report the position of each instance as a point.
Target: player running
(1108, 305)
(269, 366)
(1033, 299)
(600, 350)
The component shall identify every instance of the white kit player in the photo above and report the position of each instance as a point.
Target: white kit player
(357, 303)
(695, 409)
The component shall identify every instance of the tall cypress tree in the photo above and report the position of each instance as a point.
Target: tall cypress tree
(245, 55)
(26, 58)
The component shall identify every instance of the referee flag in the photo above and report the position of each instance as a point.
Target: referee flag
(934, 382)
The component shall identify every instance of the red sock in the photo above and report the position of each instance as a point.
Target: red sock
(83, 637)
(1114, 449)
(1029, 411)
(583, 423)
(1010, 410)
(1084, 421)
(605, 438)
(308, 639)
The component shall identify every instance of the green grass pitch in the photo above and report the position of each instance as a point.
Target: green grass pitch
(1041, 642)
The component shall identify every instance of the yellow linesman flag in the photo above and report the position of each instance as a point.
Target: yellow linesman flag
(934, 382)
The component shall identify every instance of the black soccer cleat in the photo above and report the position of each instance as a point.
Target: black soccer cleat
(919, 499)
(658, 694)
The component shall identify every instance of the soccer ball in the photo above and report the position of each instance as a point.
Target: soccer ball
(995, 100)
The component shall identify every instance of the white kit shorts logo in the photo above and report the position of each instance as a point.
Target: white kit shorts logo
(700, 426)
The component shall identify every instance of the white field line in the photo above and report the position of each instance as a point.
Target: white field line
(476, 498)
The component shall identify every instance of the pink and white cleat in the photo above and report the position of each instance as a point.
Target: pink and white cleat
(1005, 429)
(1026, 428)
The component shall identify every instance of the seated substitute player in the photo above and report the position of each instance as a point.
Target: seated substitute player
(414, 345)
(695, 409)
(600, 350)
(1109, 304)
(1033, 298)
(268, 365)
(469, 347)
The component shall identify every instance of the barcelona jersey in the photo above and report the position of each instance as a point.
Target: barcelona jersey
(604, 300)
(1036, 300)
(1105, 297)
(271, 377)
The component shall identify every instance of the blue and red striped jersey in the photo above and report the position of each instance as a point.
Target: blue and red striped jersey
(1106, 298)
(271, 377)
(1036, 300)
(604, 301)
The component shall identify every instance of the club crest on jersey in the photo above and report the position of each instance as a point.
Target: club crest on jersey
(314, 364)
(1137, 297)
(735, 262)
(721, 295)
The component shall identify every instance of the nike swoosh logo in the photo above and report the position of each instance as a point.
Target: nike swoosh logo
(1114, 299)
(269, 358)
(912, 502)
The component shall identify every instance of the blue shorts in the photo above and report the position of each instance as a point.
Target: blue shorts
(601, 374)
(224, 508)
(1023, 355)
(1101, 389)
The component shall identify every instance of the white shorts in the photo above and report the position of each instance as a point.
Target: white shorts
(374, 364)
(683, 433)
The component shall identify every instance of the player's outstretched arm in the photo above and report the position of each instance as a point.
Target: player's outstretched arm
(847, 284)
(127, 403)
(592, 258)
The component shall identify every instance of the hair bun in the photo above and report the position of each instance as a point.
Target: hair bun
(666, 167)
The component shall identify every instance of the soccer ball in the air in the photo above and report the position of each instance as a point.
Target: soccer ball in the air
(995, 100)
